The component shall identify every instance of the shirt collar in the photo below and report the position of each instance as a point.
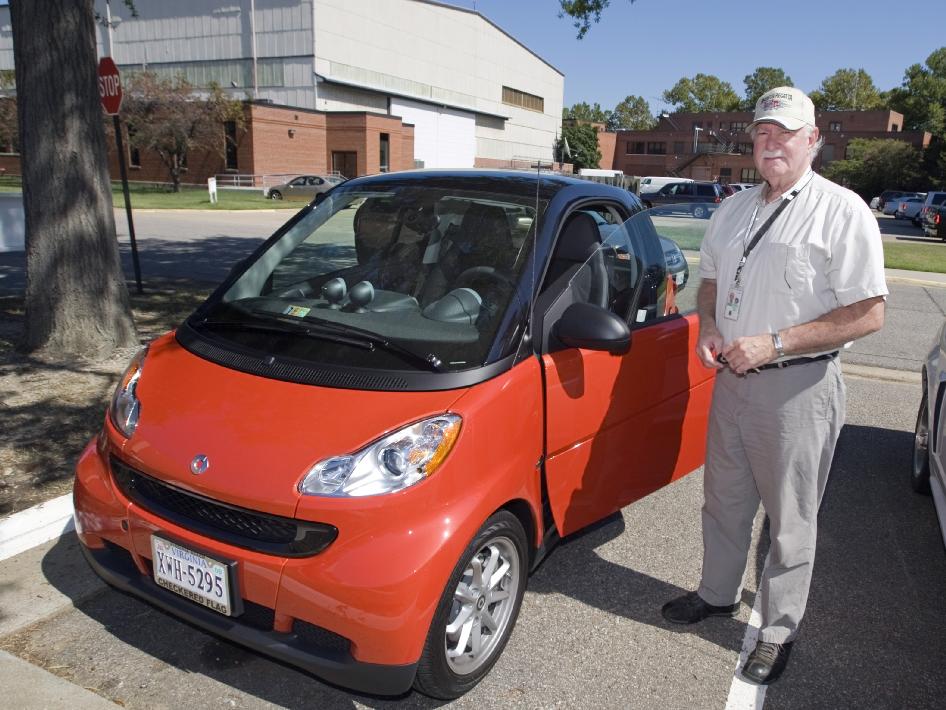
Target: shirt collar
(802, 181)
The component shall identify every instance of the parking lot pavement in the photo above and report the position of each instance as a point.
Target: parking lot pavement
(590, 633)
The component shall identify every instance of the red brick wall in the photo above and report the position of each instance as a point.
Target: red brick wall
(606, 145)
(285, 140)
(10, 164)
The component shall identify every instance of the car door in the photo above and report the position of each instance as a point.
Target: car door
(621, 426)
(298, 189)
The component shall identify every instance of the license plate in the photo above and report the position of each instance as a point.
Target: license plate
(198, 577)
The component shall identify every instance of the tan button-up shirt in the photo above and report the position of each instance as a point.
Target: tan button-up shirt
(822, 252)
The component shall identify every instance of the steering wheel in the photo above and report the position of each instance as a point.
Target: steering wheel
(489, 272)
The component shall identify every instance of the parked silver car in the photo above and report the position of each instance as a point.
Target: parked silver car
(304, 187)
(928, 475)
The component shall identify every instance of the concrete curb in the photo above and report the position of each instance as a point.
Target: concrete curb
(36, 525)
(29, 687)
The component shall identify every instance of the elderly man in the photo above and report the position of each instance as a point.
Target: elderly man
(792, 271)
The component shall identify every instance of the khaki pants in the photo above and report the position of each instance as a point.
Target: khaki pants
(771, 437)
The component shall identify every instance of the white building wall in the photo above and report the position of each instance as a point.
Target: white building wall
(443, 55)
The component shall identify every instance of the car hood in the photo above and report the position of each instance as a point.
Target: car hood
(260, 435)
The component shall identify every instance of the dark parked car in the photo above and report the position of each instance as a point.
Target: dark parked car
(697, 198)
(934, 222)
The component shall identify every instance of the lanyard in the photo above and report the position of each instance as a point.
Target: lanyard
(765, 227)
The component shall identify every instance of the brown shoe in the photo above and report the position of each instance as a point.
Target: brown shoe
(690, 608)
(766, 662)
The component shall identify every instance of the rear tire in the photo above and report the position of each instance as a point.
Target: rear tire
(700, 212)
(477, 611)
(920, 473)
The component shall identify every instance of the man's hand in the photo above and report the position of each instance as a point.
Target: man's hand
(746, 353)
(708, 346)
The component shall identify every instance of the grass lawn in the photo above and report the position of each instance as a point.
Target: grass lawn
(196, 198)
(151, 197)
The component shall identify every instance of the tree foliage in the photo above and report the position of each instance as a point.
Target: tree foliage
(582, 143)
(168, 116)
(9, 125)
(583, 12)
(761, 80)
(704, 92)
(586, 112)
(632, 114)
(921, 98)
(847, 90)
(873, 165)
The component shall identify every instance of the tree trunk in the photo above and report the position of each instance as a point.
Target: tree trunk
(77, 302)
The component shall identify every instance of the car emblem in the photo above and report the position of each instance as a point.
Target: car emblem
(200, 464)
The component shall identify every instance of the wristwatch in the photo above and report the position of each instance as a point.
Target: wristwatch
(777, 343)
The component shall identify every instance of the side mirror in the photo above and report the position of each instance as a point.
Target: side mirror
(584, 325)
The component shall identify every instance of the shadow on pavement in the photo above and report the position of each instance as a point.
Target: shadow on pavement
(206, 260)
(874, 634)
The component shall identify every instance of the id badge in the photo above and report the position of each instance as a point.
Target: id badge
(733, 302)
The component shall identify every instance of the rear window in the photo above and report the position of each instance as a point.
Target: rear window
(938, 198)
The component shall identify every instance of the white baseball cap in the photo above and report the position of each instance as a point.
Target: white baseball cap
(786, 106)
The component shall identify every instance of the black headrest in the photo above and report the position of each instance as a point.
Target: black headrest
(579, 238)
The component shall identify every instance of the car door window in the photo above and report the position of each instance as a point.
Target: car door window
(298, 182)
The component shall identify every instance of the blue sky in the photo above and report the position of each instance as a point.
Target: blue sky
(645, 47)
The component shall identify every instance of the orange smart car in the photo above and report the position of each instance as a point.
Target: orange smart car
(350, 457)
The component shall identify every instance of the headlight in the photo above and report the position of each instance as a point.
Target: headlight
(393, 463)
(125, 407)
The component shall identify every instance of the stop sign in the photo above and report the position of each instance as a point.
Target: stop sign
(110, 86)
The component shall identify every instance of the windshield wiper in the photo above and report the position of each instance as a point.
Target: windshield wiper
(324, 330)
(328, 327)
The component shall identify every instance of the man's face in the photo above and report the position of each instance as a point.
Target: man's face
(781, 154)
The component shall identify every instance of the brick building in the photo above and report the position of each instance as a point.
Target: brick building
(282, 140)
(715, 146)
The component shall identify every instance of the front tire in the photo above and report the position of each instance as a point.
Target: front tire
(920, 473)
(477, 611)
(275, 195)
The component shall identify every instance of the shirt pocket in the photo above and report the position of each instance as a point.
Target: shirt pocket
(793, 272)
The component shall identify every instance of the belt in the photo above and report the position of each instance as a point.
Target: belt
(795, 361)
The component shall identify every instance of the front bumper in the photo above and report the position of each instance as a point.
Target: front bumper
(320, 656)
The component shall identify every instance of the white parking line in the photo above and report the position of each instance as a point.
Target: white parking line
(36, 525)
(744, 695)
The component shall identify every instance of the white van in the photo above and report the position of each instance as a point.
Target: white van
(652, 184)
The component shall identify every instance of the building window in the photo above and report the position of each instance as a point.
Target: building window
(385, 153)
(738, 126)
(514, 97)
(230, 144)
(657, 148)
(725, 175)
(834, 126)
(894, 127)
(634, 147)
(744, 148)
(722, 125)
(678, 147)
(827, 153)
(749, 175)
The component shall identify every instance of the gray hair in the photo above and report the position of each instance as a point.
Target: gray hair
(816, 148)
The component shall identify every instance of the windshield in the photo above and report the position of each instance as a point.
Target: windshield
(401, 277)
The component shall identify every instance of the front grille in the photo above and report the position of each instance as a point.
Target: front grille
(260, 532)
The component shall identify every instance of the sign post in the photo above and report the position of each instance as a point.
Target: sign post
(110, 91)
